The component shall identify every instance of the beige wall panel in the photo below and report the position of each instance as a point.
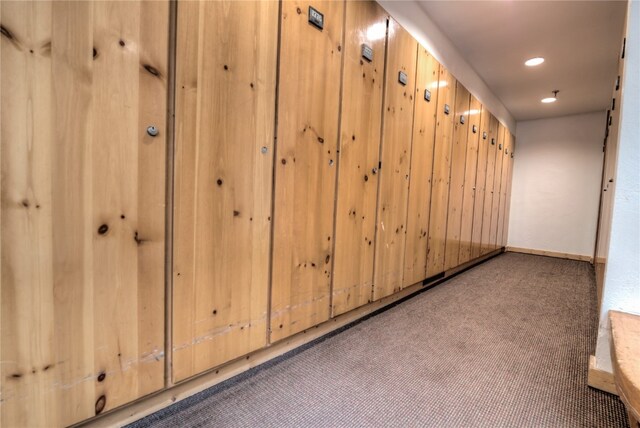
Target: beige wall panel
(481, 182)
(424, 126)
(457, 175)
(305, 170)
(441, 171)
(471, 168)
(83, 194)
(497, 184)
(359, 156)
(225, 115)
(393, 190)
(488, 194)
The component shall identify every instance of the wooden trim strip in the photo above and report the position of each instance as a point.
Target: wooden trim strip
(582, 258)
(599, 379)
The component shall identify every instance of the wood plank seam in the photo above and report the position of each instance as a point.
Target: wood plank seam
(171, 129)
(273, 175)
(337, 180)
(384, 100)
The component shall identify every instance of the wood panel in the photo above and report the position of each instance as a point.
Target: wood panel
(361, 120)
(507, 210)
(83, 194)
(481, 184)
(225, 115)
(488, 194)
(497, 184)
(305, 170)
(441, 171)
(506, 166)
(456, 185)
(424, 126)
(471, 168)
(393, 188)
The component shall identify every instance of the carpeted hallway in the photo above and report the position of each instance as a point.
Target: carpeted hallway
(504, 344)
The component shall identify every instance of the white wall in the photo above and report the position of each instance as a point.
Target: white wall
(556, 183)
(426, 32)
(622, 275)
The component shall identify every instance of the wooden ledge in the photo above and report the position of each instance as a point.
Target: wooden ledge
(625, 356)
(599, 379)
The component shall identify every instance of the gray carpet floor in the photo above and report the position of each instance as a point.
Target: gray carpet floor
(505, 344)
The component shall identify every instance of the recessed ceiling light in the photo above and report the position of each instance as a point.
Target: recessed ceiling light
(534, 61)
(552, 99)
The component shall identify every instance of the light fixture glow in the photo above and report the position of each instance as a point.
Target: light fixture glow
(552, 99)
(534, 61)
(439, 84)
(472, 112)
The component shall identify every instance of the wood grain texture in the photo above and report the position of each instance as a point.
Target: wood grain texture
(600, 379)
(305, 170)
(83, 193)
(225, 116)
(504, 184)
(457, 175)
(441, 173)
(361, 122)
(424, 126)
(507, 210)
(625, 348)
(481, 182)
(471, 168)
(488, 194)
(393, 189)
(497, 187)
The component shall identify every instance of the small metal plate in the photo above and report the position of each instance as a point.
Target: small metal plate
(506, 151)
(484, 135)
(493, 141)
(316, 18)
(427, 95)
(446, 109)
(474, 128)
(462, 119)
(402, 78)
(499, 146)
(367, 52)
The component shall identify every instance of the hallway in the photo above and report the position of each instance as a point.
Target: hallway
(506, 343)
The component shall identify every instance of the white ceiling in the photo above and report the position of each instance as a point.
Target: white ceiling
(579, 40)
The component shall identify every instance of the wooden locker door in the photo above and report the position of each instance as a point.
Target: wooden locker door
(471, 167)
(441, 171)
(83, 207)
(393, 189)
(424, 126)
(497, 177)
(503, 187)
(305, 170)
(488, 194)
(225, 113)
(509, 159)
(481, 183)
(456, 185)
(361, 119)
